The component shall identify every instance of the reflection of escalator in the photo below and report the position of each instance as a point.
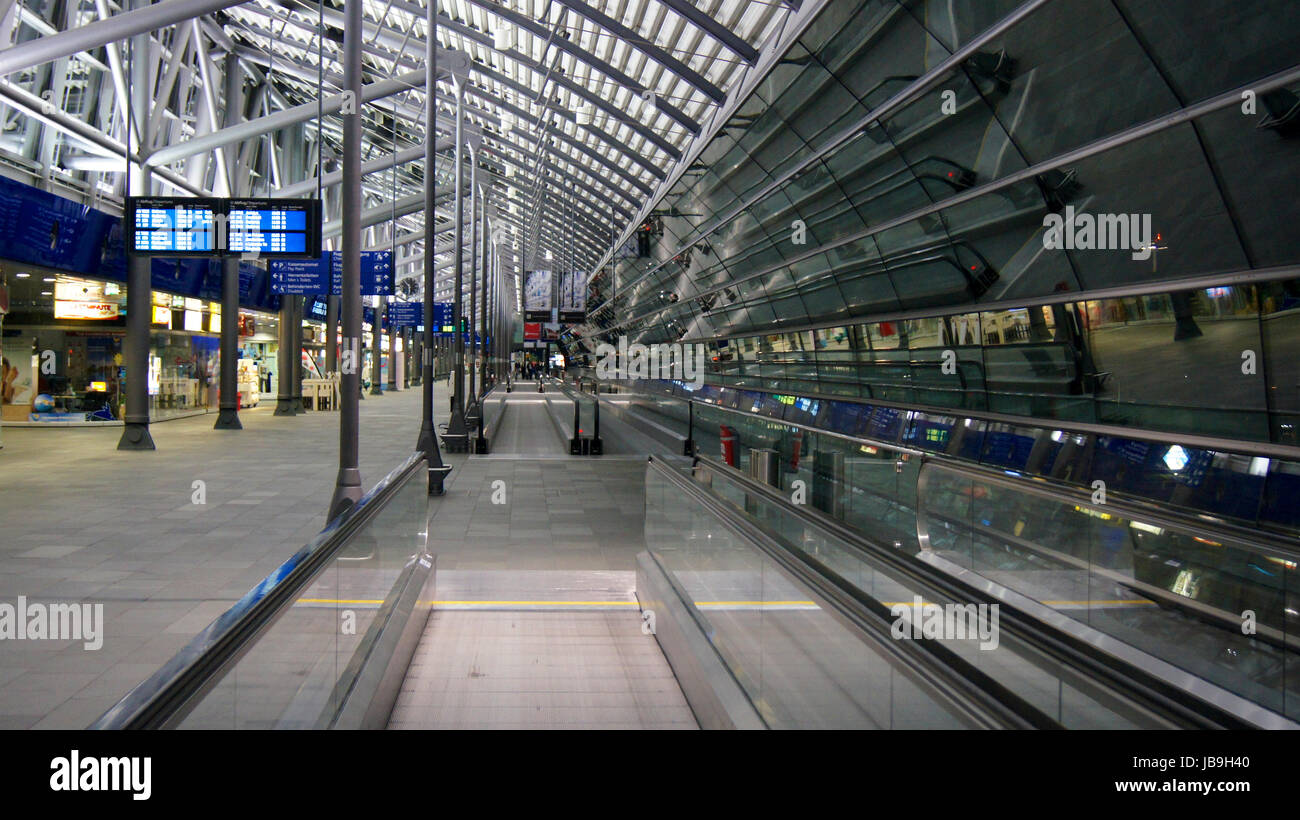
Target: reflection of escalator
(875, 570)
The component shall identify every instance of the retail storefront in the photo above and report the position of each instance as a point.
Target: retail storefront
(63, 342)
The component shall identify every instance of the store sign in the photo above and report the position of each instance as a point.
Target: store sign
(162, 316)
(532, 331)
(85, 310)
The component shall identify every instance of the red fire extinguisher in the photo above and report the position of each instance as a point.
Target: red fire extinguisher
(728, 437)
(794, 450)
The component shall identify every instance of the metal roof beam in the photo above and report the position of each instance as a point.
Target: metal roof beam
(647, 47)
(703, 21)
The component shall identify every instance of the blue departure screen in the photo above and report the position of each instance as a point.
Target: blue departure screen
(194, 226)
(176, 226)
(271, 227)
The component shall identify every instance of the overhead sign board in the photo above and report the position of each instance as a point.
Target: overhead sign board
(172, 226)
(274, 227)
(444, 322)
(316, 277)
(406, 314)
(208, 226)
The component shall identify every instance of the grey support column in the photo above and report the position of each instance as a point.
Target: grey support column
(347, 488)
(139, 298)
(483, 300)
(139, 286)
(284, 361)
(377, 349)
(332, 334)
(299, 309)
(428, 441)
(228, 416)
(475, 205)
(457, 435)
(393, 332)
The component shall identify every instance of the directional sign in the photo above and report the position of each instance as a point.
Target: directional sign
(376, 273)
(443, 323)
(300, 277)
(405, 314)
(315, 277)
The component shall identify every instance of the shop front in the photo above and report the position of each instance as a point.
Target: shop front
(63, 344)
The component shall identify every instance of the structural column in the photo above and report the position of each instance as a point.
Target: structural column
(331, 334)
(457, 432)
(393, 331)
(295, 368)
(475, 201)
(228, 415)
(139, 286)
(347, 488)
(284, 361)
(483, 300)
(377, 349)
(428, 441)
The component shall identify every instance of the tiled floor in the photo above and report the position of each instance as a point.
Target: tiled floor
(539, 670)
(82, 522)
(535, 623)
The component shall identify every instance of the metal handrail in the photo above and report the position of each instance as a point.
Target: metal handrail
(165, 697)
(1222, 709)
(982, 699)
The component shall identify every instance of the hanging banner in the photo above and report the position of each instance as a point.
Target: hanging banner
(573, 296)
(538, 301)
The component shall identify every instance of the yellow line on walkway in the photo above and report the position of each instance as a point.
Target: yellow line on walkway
(534, 603)
(363, 602)
(754, 603)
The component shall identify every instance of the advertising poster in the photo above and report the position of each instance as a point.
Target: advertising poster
(573, 296)
(17, 379)
(537, 295)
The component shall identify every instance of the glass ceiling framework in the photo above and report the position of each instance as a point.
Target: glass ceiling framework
(584, 106)
(570, 83)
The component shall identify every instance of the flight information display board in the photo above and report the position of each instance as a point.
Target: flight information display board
(201, 226)
(274, 227)
(173, 226)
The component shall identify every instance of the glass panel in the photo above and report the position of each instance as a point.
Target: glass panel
(289, 678)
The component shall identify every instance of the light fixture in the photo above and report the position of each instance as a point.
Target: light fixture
(23, 275)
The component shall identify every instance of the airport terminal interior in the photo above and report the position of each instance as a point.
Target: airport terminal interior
(650, 364)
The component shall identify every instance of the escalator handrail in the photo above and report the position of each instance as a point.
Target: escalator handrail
(1217, 528)
(1080, 655)
(982, 698)
(163, 699)
(1259, 541)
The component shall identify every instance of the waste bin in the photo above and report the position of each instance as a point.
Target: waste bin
(764, 466)
(828, 482)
